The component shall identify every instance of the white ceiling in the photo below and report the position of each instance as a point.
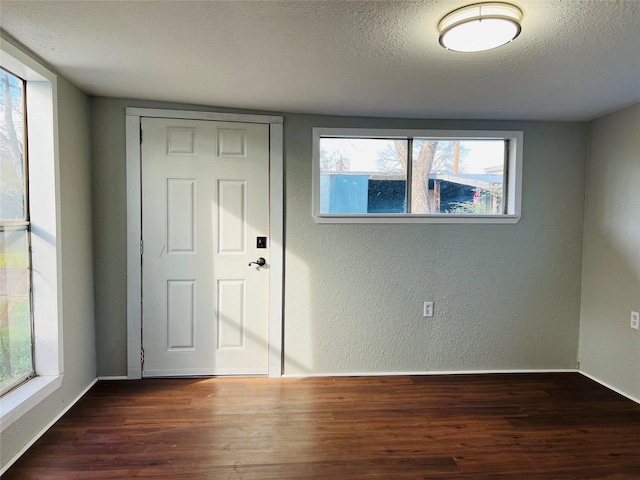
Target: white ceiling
(574, 60)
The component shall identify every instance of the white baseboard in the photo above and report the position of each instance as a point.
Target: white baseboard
(114, 377)
(439, 372)
(15, 458)
(604, 384)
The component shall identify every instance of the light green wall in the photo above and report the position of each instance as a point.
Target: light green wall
(506, 296)
(609, 348)
(77, 271)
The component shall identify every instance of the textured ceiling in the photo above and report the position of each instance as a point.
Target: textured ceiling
(575, 59)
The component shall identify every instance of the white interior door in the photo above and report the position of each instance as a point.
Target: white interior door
(205, 216)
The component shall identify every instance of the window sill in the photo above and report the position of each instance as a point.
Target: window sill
(18, 402)
(403, 218)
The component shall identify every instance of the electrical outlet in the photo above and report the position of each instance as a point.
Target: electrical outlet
(428, 309)
(635, 320)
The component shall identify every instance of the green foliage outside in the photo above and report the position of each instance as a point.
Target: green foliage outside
(16, 333)
(15, 306)
(484, 206)
(13, 260)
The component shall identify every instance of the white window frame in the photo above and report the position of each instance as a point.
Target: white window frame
(46, 250)
(513, 176)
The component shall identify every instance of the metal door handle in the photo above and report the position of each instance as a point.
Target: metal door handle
(260, 262)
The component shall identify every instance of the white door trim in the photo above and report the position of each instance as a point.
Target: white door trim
(134, 228)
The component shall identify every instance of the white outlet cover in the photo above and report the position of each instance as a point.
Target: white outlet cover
(635, 320)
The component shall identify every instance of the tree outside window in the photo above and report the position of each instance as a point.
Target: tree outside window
(16, 344)
(416, 176)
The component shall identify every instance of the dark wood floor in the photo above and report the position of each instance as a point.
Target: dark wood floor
(534, 426)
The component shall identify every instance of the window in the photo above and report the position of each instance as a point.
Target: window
(16, 345)
(380, 176)
(30, 218)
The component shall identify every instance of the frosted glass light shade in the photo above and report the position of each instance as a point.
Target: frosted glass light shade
(479, 27)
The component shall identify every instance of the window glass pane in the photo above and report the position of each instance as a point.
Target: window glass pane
(12, 181)
(360, 176)
(458, 176)
(15, 307)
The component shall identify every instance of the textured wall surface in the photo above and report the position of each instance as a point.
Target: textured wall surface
(506, 296)
(609, 349)
(77, 272)
(108, 184)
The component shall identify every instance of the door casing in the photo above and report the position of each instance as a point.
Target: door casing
(134, 228)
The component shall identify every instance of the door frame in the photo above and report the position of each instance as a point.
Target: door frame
(134, 227)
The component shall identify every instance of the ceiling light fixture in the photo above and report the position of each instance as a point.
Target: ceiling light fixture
(479, 27)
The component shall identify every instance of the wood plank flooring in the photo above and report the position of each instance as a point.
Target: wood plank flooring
(480, 427)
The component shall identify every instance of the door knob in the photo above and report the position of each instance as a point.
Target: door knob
(260, 262)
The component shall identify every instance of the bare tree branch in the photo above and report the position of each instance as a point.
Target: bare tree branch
(13, 141)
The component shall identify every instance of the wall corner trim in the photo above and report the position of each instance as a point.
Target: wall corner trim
(604, 384)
